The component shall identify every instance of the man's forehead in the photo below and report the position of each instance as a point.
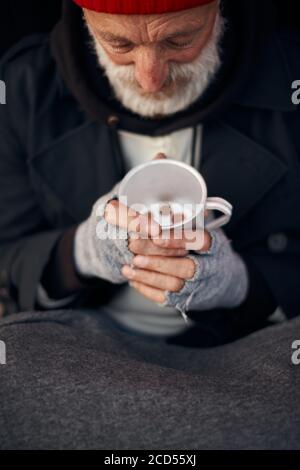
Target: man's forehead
(112, 37)
(147, 27)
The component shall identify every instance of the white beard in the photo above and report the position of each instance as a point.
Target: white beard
(196, 77)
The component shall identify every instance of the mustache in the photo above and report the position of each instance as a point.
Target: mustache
(179, 75)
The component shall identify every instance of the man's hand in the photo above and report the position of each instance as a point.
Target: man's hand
(101, 241)
(161, 264)
(158, 268)
(212, 276)
(152, 276)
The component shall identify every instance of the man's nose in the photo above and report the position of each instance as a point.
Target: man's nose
(151, 71)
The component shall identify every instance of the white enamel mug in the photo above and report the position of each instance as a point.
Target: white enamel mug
(160, 184)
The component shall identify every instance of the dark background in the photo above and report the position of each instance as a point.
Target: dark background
(21, 17)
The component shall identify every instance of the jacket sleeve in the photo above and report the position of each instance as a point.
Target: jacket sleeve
(27, 240)
(28, 245)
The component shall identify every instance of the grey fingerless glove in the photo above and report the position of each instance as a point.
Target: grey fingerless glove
(101, 249)
(220, 280)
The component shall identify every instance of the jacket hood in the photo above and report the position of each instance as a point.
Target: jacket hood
(247, 25)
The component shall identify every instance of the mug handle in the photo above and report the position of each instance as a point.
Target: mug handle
(221, 205)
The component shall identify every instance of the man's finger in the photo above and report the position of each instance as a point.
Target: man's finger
(119, 214)
(184, 268)
(199, 240)
(123, 216)
(156, 295)
(153, 279)
(139, 246)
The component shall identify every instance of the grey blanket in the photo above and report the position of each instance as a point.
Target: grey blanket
(74, 380)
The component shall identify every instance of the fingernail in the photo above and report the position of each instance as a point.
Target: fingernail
(140, 261)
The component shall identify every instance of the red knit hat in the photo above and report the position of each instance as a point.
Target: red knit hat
(139, 7)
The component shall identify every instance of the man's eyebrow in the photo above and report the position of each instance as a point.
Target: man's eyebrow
(107, 36)
(187, 32)
(112, 37)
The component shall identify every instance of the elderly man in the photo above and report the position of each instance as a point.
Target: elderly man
(116, 84)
